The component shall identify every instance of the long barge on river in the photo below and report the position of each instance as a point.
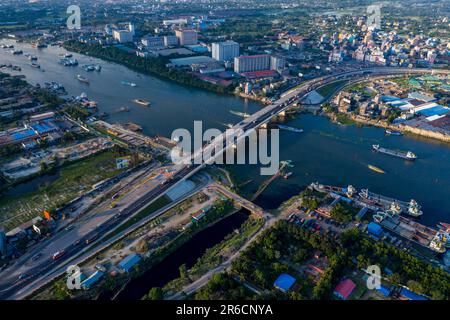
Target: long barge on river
(388, 214)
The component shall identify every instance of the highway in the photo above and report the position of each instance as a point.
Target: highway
(19, 278)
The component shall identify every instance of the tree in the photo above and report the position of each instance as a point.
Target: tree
(155, 293)
(183, 271)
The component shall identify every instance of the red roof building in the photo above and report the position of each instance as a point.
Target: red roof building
(344, 289)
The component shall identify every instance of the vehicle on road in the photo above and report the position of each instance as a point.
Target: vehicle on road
(58, 255)
(91, 239)
(22, 276)
(36, 257)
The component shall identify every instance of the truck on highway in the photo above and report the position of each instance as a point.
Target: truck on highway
(58, 255)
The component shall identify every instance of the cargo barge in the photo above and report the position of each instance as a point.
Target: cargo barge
(388, 215)
(374, 201)
(407, 155)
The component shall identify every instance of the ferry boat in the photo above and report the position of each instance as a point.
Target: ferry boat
(408, 155)
(82, 79)
(127, 83)
(283, 127)
(376, 169)
(142, 102)
(393, 132)
(240, 114)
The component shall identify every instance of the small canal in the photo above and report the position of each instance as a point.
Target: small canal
(187, 254)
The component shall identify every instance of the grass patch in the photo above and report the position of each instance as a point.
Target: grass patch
(344, 119)
(154, 206)
(74, 179)
(328, 89)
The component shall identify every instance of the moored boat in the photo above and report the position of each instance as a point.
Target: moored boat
(142, 102)
(82, 79)
(393, 132)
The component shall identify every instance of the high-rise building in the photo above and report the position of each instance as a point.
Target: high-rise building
(225, 51)
(186, 37)
(251, 63)
(124, 35)
(277, 63)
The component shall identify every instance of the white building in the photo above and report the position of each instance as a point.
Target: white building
(170, 41)
(124, 35)
(225, 51)
(251, 63)
(153, 42)
(186, 37)
(277, 63)
(175, 22)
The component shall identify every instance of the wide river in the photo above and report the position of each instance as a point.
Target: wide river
(325, 152)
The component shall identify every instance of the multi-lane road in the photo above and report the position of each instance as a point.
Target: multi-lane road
(20, 279)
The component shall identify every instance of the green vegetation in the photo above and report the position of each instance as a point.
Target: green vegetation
(330, 88)
(216, 255)
(287, 247)
(74, 179)
(153, 207)
(343, 212)
(222, 286)
(283, 248)
(155, 66)
(422, 277)
(344, 119)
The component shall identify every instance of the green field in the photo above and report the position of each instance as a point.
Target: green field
(73, 180)
(328, 89)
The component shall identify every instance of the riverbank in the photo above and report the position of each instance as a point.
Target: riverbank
(152, 66)
(352, 119)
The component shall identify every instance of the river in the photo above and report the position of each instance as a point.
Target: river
(326, 152)
(187, 254)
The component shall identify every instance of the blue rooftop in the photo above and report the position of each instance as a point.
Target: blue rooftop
(374, 228)
(129, 261)
(93, 278)
(434, 111)
(385, 291)
(23, 134)
(411, 295)
(284, 282)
